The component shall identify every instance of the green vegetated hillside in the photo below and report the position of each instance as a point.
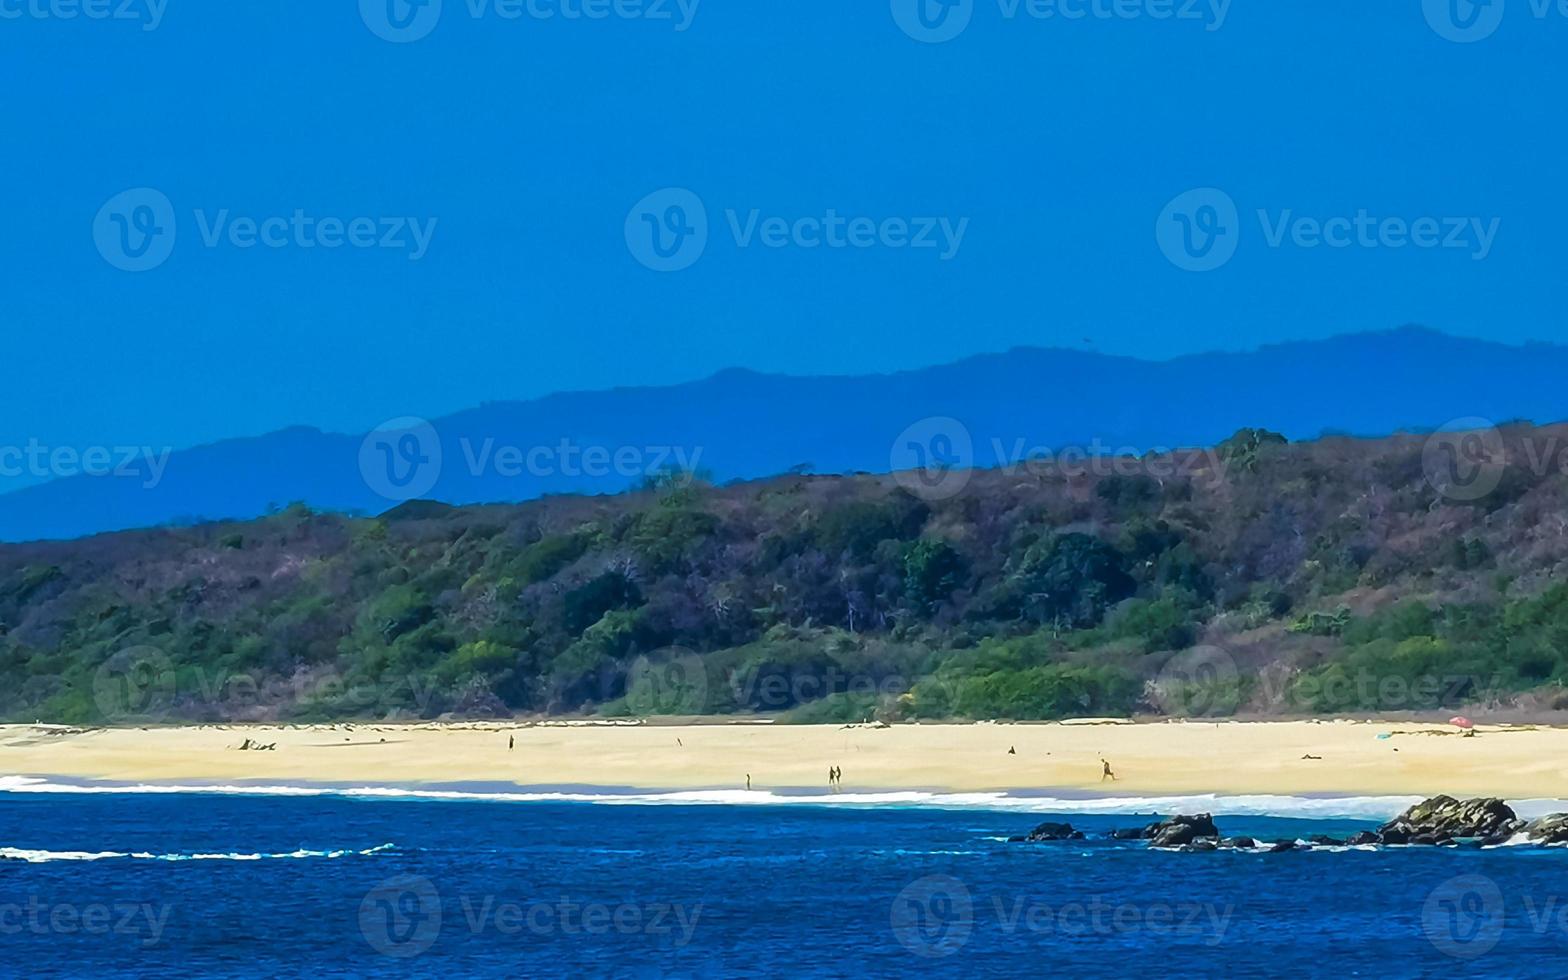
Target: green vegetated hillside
(1333, 576)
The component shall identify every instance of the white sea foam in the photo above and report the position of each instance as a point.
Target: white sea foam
(41, 857)
(1319, 808)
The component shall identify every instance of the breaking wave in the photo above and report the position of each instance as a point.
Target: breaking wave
(1302, 807)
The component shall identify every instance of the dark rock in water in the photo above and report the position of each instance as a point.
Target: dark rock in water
(1433, 840)
(1238, 842)
(1199, 845)
(1179, 830)
(1174, 836)
(1552, 829)
(1361, 837)
(1442, 818)
(1175, 832)
(1326, 841)
(1051, 831)
(1201, 823)
(1280, 846)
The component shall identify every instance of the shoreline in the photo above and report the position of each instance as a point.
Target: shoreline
(1298, 759)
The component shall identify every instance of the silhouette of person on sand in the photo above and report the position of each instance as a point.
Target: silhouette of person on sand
(1105, 772)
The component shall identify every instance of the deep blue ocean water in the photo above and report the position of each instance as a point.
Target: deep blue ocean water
(581, 889)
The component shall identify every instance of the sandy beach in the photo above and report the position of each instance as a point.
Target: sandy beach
(1287, 758)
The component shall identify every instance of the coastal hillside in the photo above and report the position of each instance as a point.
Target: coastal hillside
(1005, 404)
(1259, 577)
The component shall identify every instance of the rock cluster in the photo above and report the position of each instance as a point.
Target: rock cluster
(1441, 820)
(1444, 820)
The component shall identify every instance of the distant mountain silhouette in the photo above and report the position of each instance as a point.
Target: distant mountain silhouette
(742, 424)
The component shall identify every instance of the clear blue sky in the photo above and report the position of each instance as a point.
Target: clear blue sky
(528, 141)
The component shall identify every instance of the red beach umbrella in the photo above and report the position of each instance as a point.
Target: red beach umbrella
(1461, 721)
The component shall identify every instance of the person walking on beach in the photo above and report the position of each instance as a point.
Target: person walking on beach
(748, 782)
(1105, 772)
(511, 742)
